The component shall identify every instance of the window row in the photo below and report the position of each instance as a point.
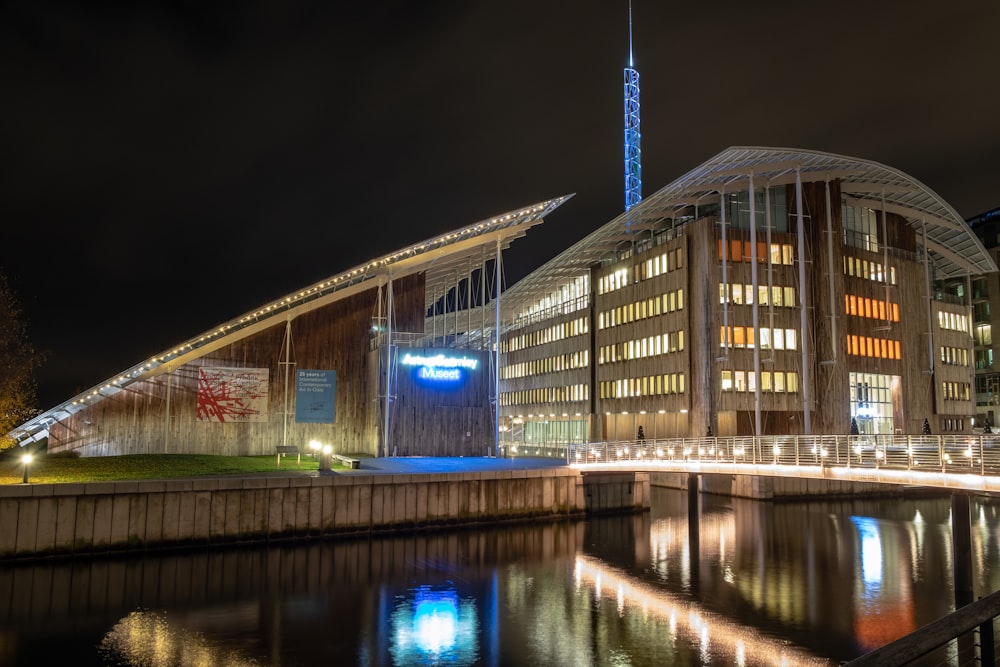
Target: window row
(743, 337)
(671, 260)
(766, 296)
(672, 341)
(876, 309)
(867, 346)
(551, 334)
(953, 424)
(649, 385)
(953, 321)
(954, 356)
(561, 362)
(640, 310)
(568, 394)
(956, 391)
(770, 381)
(742, 251)
(869, 270)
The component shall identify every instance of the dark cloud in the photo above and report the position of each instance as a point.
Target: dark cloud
(168, 166)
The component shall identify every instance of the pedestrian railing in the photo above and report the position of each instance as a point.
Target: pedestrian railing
(849, 457)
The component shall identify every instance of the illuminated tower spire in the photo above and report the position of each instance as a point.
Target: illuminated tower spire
(633, 154)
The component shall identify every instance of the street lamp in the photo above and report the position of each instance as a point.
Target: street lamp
(26, 459)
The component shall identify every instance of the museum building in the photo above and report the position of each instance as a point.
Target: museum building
(766, 291)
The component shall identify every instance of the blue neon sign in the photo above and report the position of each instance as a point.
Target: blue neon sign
(439, 367)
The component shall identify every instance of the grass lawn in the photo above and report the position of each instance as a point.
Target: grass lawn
(64, 470)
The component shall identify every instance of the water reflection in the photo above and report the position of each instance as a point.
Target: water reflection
(755, 584)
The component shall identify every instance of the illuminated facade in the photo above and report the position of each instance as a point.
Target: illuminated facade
(392, 357)
(767, 291)
(985, 302)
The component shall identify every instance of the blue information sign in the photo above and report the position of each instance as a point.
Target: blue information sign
(315, 394)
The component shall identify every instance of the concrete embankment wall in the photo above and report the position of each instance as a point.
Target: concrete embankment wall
(64, 519)
(760, 487)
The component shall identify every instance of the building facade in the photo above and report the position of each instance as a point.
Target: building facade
(767, 291)
(986, 302)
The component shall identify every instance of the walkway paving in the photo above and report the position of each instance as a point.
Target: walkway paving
(416, 465)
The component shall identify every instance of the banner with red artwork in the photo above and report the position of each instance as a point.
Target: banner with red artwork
(232, 394)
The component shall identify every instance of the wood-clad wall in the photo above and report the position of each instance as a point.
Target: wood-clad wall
(159, 415)
(443, 418)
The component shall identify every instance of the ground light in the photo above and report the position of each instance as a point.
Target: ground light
(26, 460)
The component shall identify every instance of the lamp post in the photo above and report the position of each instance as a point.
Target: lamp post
(26, 459)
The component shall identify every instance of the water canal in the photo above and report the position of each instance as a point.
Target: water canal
(765, 584)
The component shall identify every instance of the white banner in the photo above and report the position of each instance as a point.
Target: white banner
(232, 394)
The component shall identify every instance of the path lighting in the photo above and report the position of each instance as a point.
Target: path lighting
(26, 460)
(659, 452)
(776, 449)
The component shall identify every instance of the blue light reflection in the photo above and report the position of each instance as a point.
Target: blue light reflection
(434, 626)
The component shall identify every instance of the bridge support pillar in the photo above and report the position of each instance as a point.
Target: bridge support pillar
(694, 526)
(961, 542)
(961, 546)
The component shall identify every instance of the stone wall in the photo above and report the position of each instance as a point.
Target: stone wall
(64, 519)
(759, 487)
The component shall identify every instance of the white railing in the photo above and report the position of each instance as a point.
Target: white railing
(951, 454)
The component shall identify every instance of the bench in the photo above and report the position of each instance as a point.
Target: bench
(285, 450)
(354, 464)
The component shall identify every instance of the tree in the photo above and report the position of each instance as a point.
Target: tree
(18, 362)
(927, 427)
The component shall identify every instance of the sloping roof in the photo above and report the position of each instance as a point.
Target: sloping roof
(439, 258)
(953, 248)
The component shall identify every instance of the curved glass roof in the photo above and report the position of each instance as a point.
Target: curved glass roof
(953, 248)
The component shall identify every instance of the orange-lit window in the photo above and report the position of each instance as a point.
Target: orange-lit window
(738, 339)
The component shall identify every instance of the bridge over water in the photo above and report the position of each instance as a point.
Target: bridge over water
(964, 464)
(958, 462)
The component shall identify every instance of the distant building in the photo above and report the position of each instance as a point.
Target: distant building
(986, 302)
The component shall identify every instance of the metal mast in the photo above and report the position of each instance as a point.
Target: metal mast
(633, 155)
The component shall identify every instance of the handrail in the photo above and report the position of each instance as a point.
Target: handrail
(955, 461)
(936, 634)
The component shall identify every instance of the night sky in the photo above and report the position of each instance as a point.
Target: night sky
(167, 167)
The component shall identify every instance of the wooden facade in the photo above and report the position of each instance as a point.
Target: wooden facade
(159, 415)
